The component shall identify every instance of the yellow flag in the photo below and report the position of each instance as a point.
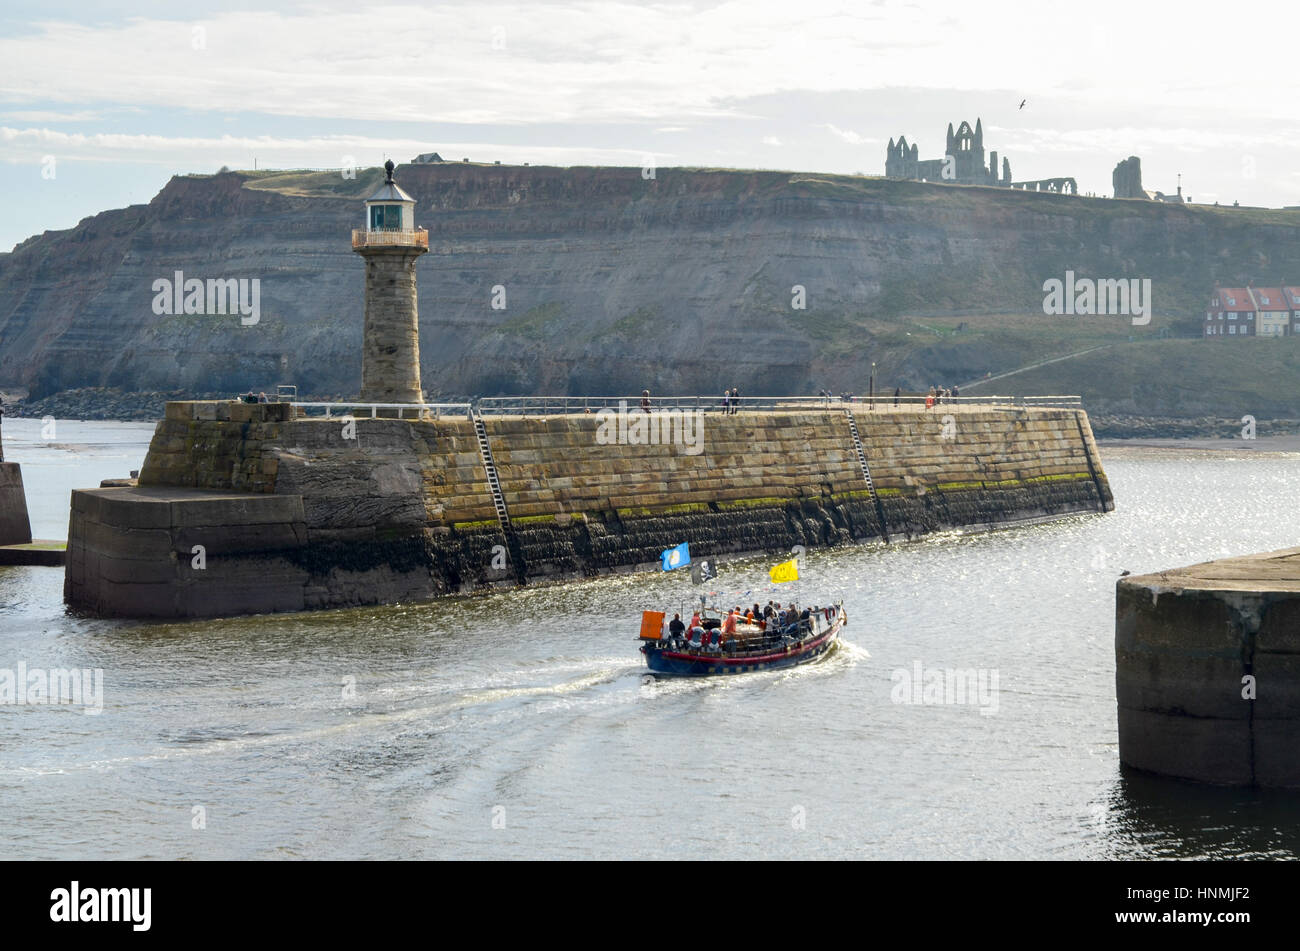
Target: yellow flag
(786, 571)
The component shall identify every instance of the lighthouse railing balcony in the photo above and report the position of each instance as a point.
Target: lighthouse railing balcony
(390, 238)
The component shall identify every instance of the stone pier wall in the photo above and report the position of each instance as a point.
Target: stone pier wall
(169, 552)
(15, 526)
(398, 509)
(1207, 670)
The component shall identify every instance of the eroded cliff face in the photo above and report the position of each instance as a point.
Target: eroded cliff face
(610, 281)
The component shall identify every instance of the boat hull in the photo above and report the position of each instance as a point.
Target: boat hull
(665, 662)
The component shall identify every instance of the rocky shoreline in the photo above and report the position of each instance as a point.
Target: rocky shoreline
(1201, 427)
(100, 403)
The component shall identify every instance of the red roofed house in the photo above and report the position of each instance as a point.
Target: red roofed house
(1231, 313)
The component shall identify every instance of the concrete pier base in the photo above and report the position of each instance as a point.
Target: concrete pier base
(15, 526)
(1207, 670)
(173, 552)
(45, 552)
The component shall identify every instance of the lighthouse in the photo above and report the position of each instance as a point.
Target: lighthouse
(390, 245)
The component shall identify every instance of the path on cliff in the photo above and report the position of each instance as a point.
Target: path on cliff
(1035, 366)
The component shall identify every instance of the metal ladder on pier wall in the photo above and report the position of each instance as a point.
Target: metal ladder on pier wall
(494, 481)
(866, 473)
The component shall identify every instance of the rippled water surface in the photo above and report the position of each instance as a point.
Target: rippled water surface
(520, 723)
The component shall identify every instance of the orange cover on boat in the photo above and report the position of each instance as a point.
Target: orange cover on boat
(652, 625)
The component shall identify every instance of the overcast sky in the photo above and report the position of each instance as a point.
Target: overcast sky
(100, 103)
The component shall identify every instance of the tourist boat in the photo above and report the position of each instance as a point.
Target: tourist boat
(750, 648)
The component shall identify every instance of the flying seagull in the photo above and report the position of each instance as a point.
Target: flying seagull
(1022, 103)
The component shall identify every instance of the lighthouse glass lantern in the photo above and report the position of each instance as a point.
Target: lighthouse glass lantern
(390, 208)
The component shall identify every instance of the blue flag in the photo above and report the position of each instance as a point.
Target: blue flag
(676, 557)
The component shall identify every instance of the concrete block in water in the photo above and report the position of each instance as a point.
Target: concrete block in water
(131, 552)
(1207, 670)
(15, 526)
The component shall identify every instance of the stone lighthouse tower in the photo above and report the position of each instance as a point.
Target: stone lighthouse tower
(390, 244)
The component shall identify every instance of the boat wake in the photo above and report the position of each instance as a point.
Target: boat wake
(628, 682)
(199, 741)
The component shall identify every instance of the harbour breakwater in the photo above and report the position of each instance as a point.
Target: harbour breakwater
(15, 526)
(1207, 675)
(244, 508)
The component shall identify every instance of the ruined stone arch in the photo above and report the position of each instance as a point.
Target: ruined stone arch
(965, 137)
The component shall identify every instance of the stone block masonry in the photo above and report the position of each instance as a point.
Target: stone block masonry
(132, 553)
(1207, 670)
(390, 356)
(15, 526)
(396, 509)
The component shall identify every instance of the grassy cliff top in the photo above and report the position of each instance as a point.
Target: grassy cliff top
(330, 183)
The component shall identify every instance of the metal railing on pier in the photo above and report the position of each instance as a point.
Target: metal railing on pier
(404, 410)
(565, 405)
(562, 405)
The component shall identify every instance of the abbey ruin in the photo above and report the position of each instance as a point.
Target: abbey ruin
(963, 164)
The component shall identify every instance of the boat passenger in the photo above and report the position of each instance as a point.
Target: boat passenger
(676, 627)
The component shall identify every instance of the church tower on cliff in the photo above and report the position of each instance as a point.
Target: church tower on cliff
(390, 244)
